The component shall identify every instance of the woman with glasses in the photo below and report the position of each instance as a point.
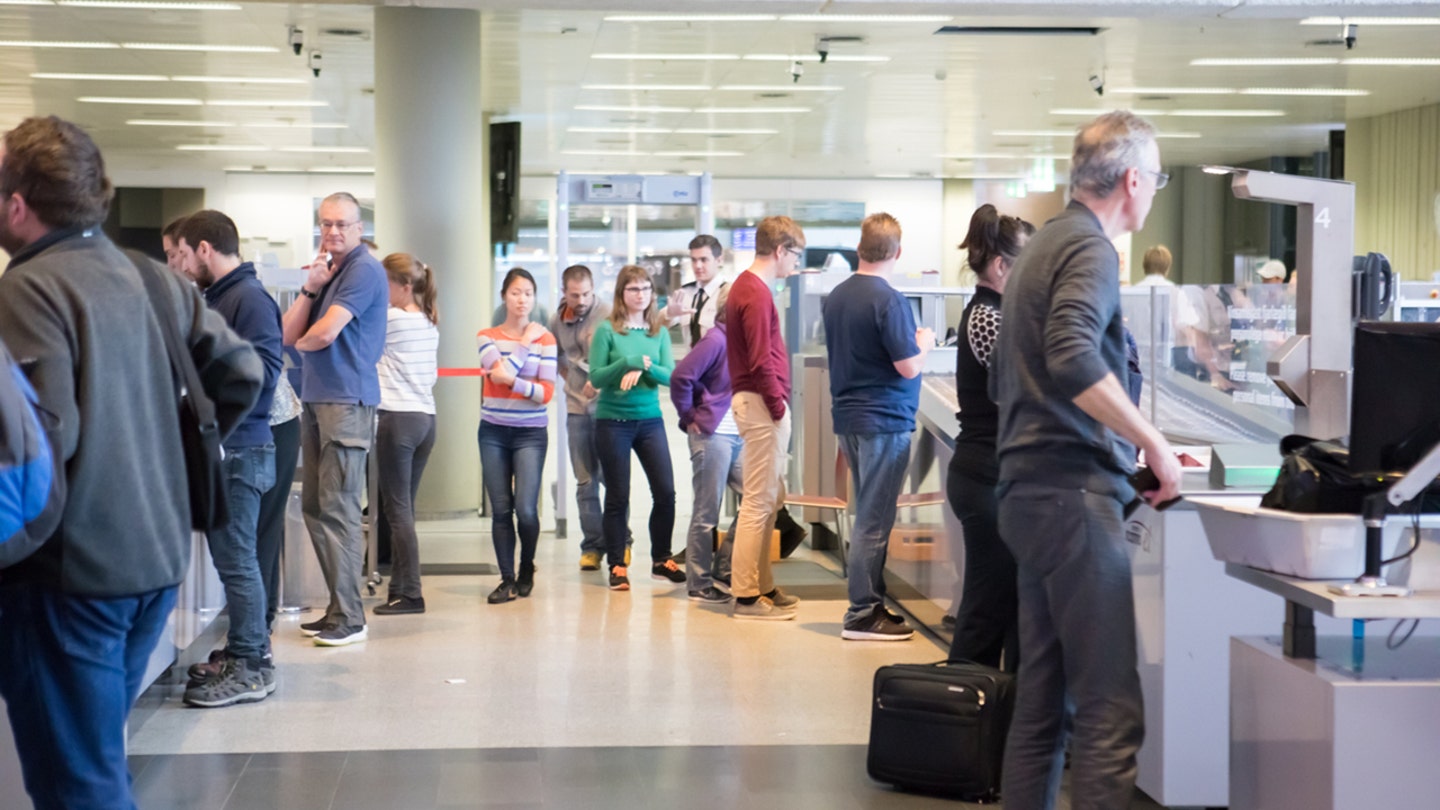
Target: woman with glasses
(987, 624)
(518, 360)
(629, 361)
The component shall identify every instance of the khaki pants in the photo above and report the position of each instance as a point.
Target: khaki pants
(762, 461)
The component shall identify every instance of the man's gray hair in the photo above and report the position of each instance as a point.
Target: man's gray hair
(1105, 148)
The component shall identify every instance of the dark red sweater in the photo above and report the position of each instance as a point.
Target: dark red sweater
(759, 361)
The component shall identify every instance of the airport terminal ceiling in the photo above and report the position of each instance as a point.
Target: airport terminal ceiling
(216, 86)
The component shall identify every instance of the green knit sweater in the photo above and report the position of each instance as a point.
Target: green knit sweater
(613, 356)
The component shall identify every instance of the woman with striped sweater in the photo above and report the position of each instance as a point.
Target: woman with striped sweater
(518, 360)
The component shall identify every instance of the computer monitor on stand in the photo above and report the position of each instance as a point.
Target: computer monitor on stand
(1394, 428)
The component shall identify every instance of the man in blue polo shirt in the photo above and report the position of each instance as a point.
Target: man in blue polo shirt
(876, 355)
(338, 324)
(207, 250)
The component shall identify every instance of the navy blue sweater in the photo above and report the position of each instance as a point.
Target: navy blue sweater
(241, 300)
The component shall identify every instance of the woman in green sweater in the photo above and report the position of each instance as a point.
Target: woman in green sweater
(629, 361)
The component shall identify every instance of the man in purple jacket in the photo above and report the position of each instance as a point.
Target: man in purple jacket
(700, 389)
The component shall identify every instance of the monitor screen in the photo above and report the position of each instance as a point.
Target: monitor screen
(1395, 407)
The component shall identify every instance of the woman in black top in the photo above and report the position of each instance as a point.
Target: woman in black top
(986, 624)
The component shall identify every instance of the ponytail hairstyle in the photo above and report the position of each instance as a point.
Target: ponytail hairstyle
(408, 271)
(620, 312)
(994, 234)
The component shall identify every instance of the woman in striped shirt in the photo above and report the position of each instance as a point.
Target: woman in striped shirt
(406, 430)
(629, 361)
(518, 360)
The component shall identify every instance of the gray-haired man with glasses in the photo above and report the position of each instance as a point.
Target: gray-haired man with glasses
(338, 324)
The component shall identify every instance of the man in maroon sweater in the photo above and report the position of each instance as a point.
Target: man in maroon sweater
(760, 381)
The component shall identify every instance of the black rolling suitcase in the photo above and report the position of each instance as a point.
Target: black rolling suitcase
(940, 728)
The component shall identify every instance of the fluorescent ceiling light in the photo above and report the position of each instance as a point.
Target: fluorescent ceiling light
(1396, 61)
(236, 80)
(602, 153)
(1172, 91)
(1227, 113)
(634, 18)
(620, 130)
(668, 57)
(100, 77)
(812, 57)
(985, 176)
(866, 18)
(1302, 91)
(159, 102)
(292, 125)
(691, 88)
(187, 46)
(745, 110)
(1371, 21)
(37, 43)
(1265, 62)
(621, 109)
(219, 147)
(148, 122)
(782, 88)
(152, 6)
(699, 154)
(234, 103)
(702, 131)
(26, 3)
(348, 150)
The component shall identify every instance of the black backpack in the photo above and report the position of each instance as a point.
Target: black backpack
(32, 484)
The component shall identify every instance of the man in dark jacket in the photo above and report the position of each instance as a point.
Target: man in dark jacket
(80, 617)
(208, 246)
(1067, 438)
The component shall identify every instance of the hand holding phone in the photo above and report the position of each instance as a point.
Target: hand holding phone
(1144, 480)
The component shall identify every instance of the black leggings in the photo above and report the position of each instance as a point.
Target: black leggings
(986, 625)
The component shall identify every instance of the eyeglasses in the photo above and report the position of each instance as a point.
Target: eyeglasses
(798, 252)
(647, 288)
(331, 225)
(1161, 178)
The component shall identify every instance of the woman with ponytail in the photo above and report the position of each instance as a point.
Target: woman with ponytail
(987, 622)
(406, 431)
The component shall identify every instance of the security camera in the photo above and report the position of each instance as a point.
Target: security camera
(297, 40)
(822, 47)
(1350, 32)
(796, 71)
(315, 63)
(1097, 84)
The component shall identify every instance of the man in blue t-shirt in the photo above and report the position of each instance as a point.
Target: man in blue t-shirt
(338, 324)
(876, 355)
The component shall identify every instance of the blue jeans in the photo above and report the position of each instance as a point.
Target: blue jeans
(583, 461)
(511, 459)
(70, 670)
(249, 474)
(715, 461)
(877, 473)
(614, 439)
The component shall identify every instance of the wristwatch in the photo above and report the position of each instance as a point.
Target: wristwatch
(311, 295)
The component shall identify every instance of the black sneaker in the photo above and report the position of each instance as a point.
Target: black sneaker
(721, 584)
(667, 571)
(316, 627)
(238, 683)
(399, 605)
(878, 626)
(340, 636)
(619, 579)
(710, 596)
(525, 581)
(504, 592)
(948, 622)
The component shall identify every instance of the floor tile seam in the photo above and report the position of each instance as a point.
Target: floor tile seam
(235, 783)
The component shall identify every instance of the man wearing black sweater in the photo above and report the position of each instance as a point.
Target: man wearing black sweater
(80, 617)
(208, 247)
(1067, 435)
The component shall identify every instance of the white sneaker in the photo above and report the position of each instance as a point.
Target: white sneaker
(763, 610)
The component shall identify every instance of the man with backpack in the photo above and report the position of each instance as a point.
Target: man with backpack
(80, 617)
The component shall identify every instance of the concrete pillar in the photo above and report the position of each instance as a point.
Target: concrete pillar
(431, 200)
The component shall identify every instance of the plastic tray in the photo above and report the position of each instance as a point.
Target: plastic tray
(1308, 546)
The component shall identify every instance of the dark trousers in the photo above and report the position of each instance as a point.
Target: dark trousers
(615, 438)
(987, 623)
(403, 441)
(70, 670)
(511, 462)
(1077, 631)
(270, 533)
